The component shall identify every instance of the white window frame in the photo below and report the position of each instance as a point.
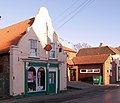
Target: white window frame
(87, 71)
(82, 71)
(33, 48)
(53, 50)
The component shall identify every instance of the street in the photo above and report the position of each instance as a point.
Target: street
(111, 96)
(102, 94)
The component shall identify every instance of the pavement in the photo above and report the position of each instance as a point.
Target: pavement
(84, 85)
(81, 85)
(79, 89)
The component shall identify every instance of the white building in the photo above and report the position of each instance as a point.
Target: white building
(35, 59)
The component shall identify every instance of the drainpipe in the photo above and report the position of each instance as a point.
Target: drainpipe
(47, 78)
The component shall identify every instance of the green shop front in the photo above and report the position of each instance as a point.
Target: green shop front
(42, 78)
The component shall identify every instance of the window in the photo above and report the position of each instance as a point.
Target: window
(31, 79)
(33, 48)
(36, 79)
(96, 70)
(52, 53)
(83, 71)
(41, 79)
(89, 70)
(60, 49)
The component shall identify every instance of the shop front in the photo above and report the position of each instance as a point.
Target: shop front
(41, 78)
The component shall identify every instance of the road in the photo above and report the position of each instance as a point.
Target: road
(91, 95)
(110, 96)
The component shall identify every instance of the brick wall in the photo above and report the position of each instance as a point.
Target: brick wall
(4, 63)
(82, 76)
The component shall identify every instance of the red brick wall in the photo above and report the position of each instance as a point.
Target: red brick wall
(87, 75)
(4, 63)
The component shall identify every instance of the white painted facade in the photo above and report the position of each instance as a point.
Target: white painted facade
(116, 58)
(42, 31)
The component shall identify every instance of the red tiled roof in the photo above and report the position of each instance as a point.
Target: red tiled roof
(94, 59)
(118, 48)
(68, 49)
(97, 51)
(12, 34)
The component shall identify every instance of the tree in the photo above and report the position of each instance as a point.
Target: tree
(79, 46)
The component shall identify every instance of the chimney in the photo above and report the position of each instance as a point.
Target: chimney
(101, 44)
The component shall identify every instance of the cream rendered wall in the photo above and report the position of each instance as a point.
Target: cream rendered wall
(63, 76)
(63, 69)
(70, 56)
(16, 72)
(116, 58)
(42, 31)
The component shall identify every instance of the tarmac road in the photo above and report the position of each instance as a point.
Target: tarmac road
(109, 96)
(90, 95)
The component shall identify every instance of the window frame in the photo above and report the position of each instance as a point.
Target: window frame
(33, 48)
(87, 70)
(52, 53)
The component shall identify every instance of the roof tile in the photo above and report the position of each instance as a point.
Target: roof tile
(12, 34)
(94, 59)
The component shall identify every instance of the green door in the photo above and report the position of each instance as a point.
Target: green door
(52, 82)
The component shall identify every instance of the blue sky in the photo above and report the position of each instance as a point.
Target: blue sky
(97, 22)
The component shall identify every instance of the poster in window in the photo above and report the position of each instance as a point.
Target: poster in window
(30, 76)
(39, 74)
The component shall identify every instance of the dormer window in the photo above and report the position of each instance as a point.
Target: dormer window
(52, 53)
(33, 48)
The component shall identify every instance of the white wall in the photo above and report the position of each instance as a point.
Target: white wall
(44, 36)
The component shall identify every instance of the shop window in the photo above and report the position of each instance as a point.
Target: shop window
(33, 48)
(52, 53)
(41, 79)
(31, 79)
(36, 79)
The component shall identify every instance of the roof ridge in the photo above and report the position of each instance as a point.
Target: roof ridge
(93, 59)
(12, 34)
(94, 47)
(114, 50)
(17, 23)
(93, 55)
